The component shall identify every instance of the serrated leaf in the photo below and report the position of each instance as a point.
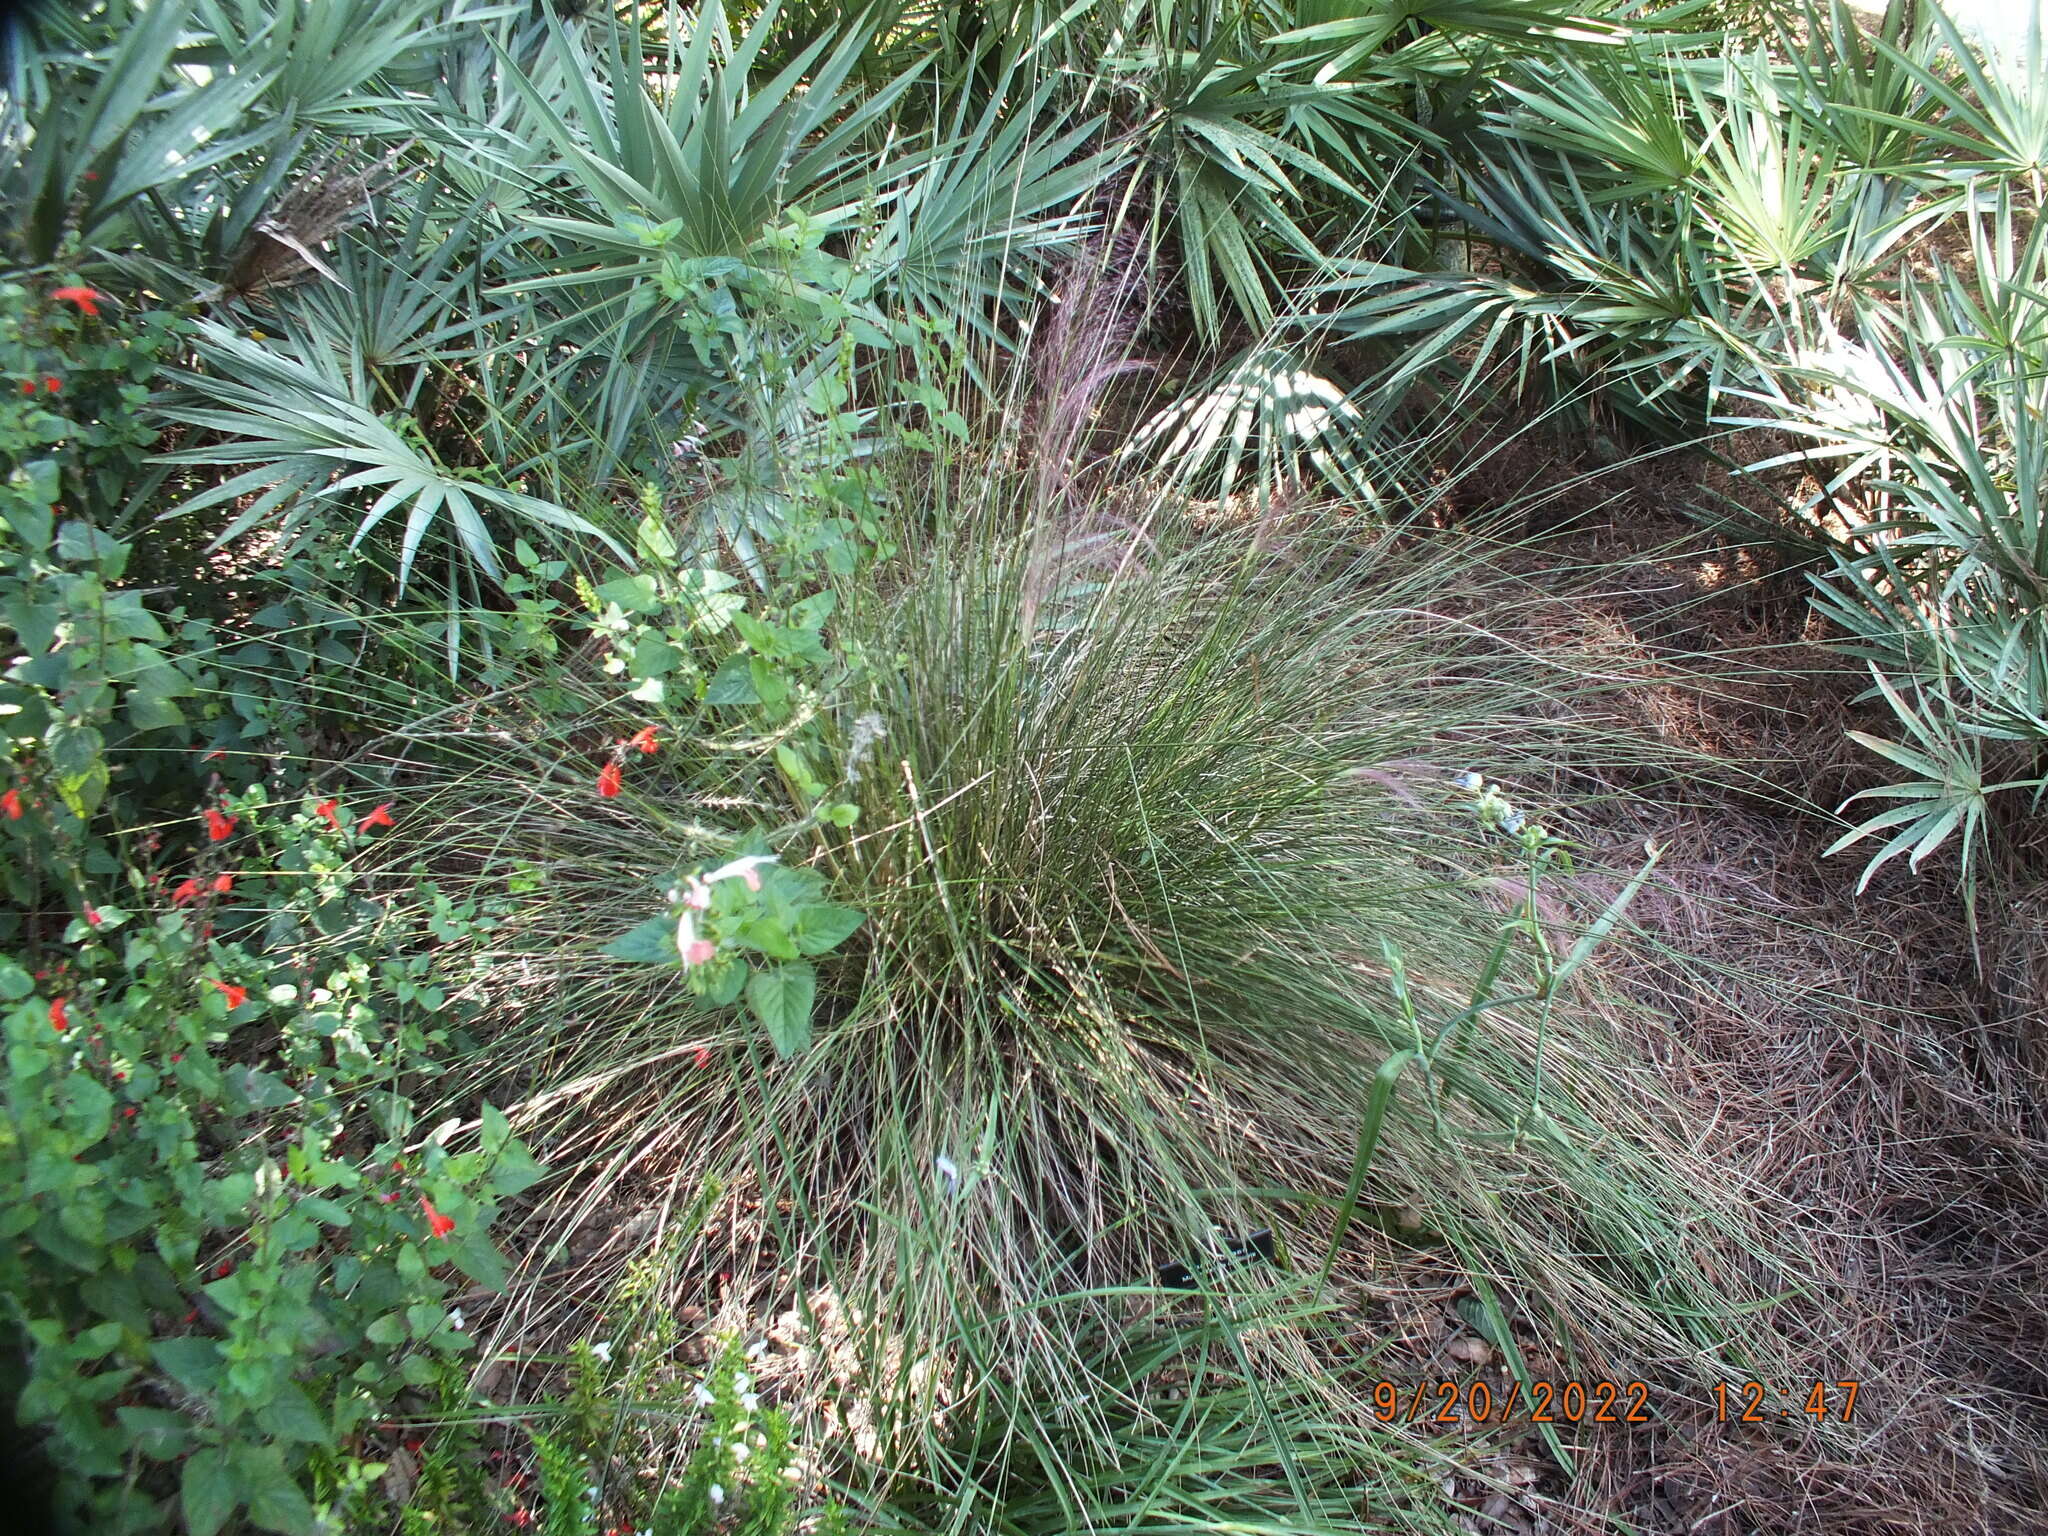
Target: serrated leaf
(651, 943)
(823, 926)
(207, 1493)
(733, 683)
(781, 998)
(156, 1432)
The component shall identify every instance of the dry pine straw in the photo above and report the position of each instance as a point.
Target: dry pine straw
(1871, 1079)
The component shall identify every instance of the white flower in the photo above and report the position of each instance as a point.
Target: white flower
(739, 1454)
(749, 1401)
(455, 1318)
(695, 951)
(702, 1396)
(741, 1381)
(716, 1494)
(591, 1493)
(757, 1349)
(1512, 822)
(1471, 781)
(744, 868)
(603, 1351)
(949, 1173)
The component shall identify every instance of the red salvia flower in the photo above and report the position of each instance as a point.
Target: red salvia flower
(643, 739)
(442, 1225)
(28, 386)
(53, 385)
(187, 890)
(609, 778)
(58, 1019)
(224, 883)
(218, 827)
(325, 810)
(92, 915)
(11, 804)
(380, 817)
(235, 995)
(87, 299)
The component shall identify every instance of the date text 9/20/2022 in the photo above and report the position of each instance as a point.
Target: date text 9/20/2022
(1599, 1402)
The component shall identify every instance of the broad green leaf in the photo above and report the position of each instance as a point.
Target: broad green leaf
(635, 594)
(651, 943)
(207, 1493)
(822, 926)
(781, 998)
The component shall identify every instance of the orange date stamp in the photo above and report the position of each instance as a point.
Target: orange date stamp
(1536, 1402)
(1600, 1402)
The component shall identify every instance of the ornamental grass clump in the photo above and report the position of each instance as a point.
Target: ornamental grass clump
(1160, 860)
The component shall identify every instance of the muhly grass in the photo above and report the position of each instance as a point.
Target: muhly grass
(1161, 860)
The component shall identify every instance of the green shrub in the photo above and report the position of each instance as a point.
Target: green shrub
(225, 1240)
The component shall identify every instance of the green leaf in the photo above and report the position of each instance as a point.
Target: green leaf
(74, 749)
(150, 697)
(516, 1171)
(635, 594)
(655, 657)
(781, 997)
(733, 683)
(79, 541)
(726, 979)
(290, 1415)
(88, 1107)
(207, 1493)
(34, 624)
(276, 1502)
(769, 935)
(497, 1130)
(156, 1432)
(656, 544)
(651, 943)
(478, 1257)
(129, 620)
(824, 925)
